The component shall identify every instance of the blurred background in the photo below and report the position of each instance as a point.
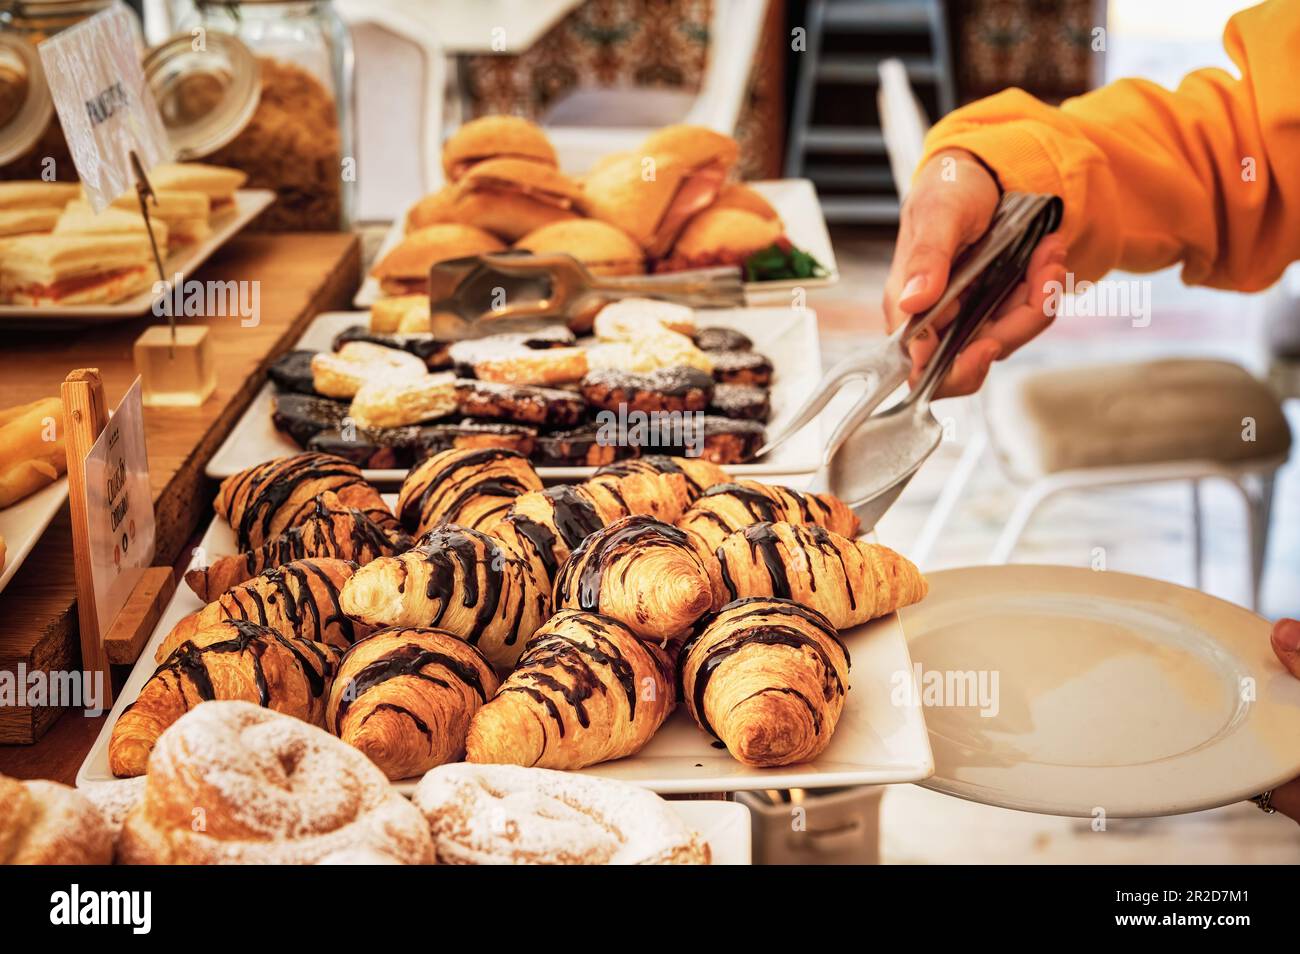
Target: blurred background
(801, 84)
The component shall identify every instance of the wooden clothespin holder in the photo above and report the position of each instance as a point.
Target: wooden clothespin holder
(85, 415)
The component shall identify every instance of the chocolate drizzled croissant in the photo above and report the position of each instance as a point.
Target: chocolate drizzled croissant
(725, 508)
(405, 696)
(330, 530)
(640, 571)
(234, 659)
(545, 526)
(586, 690)
(768, 678)
(262, 502)
(699, 474)
(472, 487)
(459, 580)
(847, 581)
(300, 598)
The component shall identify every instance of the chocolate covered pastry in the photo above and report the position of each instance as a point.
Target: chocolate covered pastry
(469, 433)
(519, 403)
(722, 339)
(742, 401)
(666, 389)
(741, 367)
(435, 354)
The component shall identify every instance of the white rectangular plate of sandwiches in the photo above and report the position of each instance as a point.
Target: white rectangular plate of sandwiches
(248, 204)
(795, 200)
(788, 337)
(880, 739)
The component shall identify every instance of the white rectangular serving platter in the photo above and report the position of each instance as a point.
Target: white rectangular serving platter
(787, 336)
(248, 204)
(877, 741)
(22, 524)
(795, 200)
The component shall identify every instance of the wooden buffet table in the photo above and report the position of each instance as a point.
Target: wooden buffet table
(301, 275)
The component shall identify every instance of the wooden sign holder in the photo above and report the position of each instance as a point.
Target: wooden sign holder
(85, 414)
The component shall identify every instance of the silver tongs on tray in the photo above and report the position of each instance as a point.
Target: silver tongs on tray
(518, 291)
(870, 457)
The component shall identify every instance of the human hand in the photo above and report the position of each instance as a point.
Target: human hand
(950, 205)
(1286, 645)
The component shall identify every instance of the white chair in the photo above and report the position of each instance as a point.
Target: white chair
(399, 79)
(590, 123)
(1034, 423)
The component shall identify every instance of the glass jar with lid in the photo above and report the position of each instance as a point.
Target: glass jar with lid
(264, 86)
(31, 140)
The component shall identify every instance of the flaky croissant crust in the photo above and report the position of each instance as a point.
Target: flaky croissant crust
(768, 677)
(264, 501)
(405, 696)
(235, 659)
(640, 571)
(848, 581)
(299, 598)
(471, 487)
(586, 690)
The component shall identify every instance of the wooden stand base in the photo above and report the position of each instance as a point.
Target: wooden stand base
(135, 623)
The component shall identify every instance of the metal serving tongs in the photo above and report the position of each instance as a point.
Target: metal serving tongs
(511, 291)
(869, 459)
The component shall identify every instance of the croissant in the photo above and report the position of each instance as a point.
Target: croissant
(700, 474)
(544, 526)
(331, 530)
(263, 502)
(459, 580)
(586, 690)
(847, 581)
(405, 696)
(767, 677)
(641, 572)
(472, 487)
(725, 508)
(235, 659)
(300, 598)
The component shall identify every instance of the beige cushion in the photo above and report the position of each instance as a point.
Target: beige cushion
(1148, 412)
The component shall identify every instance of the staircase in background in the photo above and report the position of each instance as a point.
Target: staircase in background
(835, 137)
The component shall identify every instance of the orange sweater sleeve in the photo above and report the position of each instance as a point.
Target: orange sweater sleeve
(1207, 175)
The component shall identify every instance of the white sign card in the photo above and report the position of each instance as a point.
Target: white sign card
(119, 507)
(104, 104)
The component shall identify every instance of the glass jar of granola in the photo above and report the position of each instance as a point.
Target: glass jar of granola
(265, 86)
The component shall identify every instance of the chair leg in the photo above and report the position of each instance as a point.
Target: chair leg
(947, 502)
(1032, 499)
(1198, 537)
(1261, 511)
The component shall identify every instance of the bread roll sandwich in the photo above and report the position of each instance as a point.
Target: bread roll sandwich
(405, 269)
(718, 237)
(603, 248)
(512, 197)
(495, 137)
(653, 193)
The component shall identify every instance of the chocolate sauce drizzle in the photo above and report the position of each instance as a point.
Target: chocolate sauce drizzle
(409, 658)
(259, 493)
(471, 474)
(765, 545)
(628, 538)
(561, 665)
(190, 660)
(288, 594)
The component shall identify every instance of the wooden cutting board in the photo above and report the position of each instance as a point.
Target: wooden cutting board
(301, 275)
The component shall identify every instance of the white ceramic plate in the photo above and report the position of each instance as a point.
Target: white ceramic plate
(248, 204)
(876, 741)
(787, 337)
(22, 524)
(1117, 693)
(795, 200)
(724, 825)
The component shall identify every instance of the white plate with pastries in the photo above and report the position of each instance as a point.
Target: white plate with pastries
(794, 200)
(880, 736)
(788, 337)
(224, 224)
